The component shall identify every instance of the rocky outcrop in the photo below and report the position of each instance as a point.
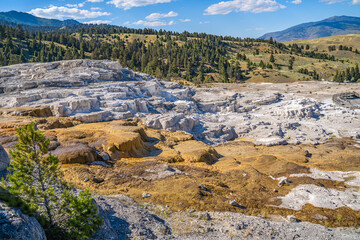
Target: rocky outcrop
(94, 91)
(194, 151)
(27, 111)
(4, 159)
(16, 225)
(75, 152)
(347, 100)
(124, 219)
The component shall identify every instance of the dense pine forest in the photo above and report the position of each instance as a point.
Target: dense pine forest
(195, 57)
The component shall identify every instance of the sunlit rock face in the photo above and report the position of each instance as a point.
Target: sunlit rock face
(95, 91)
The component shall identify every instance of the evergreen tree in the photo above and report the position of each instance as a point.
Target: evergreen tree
(272, 59)
(35, 178)
(291, 63)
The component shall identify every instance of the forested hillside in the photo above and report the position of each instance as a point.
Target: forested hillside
(195, 57)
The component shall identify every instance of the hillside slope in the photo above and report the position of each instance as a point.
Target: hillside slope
(351, 40)
(338, 25)
(193, 57)
(28, 19)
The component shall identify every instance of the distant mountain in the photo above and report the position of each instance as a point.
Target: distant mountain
(338, 25)
(30, 20)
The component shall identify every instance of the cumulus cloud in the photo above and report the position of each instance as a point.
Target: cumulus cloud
(95, 1)
(254, 6)
(296, 1)
(185, 20)
(150, 24)
(127, 4)
(98, 22)
(76, 5)
(157, 16)
(55, 12)
(153, 23)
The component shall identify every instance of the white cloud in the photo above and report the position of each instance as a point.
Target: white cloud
(127, 4)
(331, 1)
(206, 22)
(153, 23)
(254, 6)
(55, 12)
(95, 8)
(297, 2)
(76, 5)
(150, 24)
(95, 1)
(127, 23)
(185, 20)
(98, 22)
(356, 2)
(157, 16)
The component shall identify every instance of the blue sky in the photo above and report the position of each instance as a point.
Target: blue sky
(239, 18)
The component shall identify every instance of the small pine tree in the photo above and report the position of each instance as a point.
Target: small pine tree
(82, 220)
(291, 63)
(34, 178)
(272, 59)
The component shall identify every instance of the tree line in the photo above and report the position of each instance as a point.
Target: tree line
(349, 75)
(187, 55)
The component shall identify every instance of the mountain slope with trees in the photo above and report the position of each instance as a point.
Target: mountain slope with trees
(338, 25)
(195, 57)
(31, 20)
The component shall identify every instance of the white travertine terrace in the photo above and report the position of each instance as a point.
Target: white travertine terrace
(93, 91)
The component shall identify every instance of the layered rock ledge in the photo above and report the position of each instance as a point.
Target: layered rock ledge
(94, 91)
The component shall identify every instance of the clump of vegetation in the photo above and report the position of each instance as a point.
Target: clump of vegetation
(349, 75)
(313, 74)
(35, 184)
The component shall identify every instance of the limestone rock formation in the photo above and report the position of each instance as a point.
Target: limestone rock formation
(16, 225)
(95, 91)
(124, 219)
(75, 152)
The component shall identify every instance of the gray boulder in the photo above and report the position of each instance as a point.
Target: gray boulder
(125, 219)
(16, 225)
(4, 159)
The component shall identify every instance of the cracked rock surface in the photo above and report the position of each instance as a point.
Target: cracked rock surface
(16, 225)
(93, 91)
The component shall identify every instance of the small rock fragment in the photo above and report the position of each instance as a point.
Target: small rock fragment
(235, 204)
(308, 154)
(100, 163)
(98, 180)
(292, 218)
(146, 195)
(202, 187)
(205, 216)
(283, 181)
(240, 226)
(104, 156)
